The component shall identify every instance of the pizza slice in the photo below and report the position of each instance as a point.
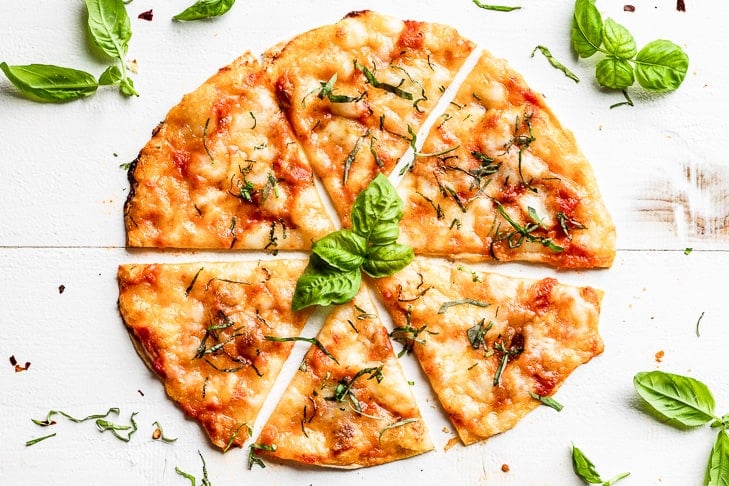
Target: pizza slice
(201, 328)
(356, 93)
(491, 345)
(223, 170)
(499, 178)
(349, 404)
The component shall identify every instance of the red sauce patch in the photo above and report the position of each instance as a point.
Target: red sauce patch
(541, 293)
(511, 193)
(182, 162)
(412, 35)
(566, 201)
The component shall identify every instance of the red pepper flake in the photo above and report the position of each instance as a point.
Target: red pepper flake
(659, 356)
(146, 15)
(680, 6)
(628, 8)
(505, 468)
(18, 367)
(61, 288)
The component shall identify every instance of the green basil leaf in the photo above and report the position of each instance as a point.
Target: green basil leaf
(618, 41)
(586, 33)
(717, 471)
(109, 27)
(377, 211)
(584, 468)
(112, 75)
(661, 66)
(614, 73)
(385, 260)
(321, 284)
(205, 9)
(126, 86)
(45, 82)
(682, 400)
(343, 250)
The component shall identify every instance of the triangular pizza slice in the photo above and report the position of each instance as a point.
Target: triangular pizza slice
(491, 345)
(357, 91)
(349, 404)
(223, 170)
(201, 328)
(499, 178)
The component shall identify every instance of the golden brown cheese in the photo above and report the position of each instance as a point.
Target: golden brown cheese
(201, 328)
(224, 171)
(488, 341)
(392, 73)
(374, 422)
(506, 181)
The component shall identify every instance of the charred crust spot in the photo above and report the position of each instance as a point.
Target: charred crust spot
(356, 13)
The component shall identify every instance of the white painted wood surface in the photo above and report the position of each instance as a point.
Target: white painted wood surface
(662, 167)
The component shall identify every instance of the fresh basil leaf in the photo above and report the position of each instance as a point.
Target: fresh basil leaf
(618, 41)
(681, 400)
(661, 66)
(614, 73)
(46, 82)
(112, 75)
(377, 211)
(109, 27)
(586, 33)
(717, 470)
(584, 468)
(126, 86)
(387, 259)
(321, 284)
(205, 9)
(343, 250)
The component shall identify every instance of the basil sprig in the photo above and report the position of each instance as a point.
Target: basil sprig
(686, 402)
(205, 9)
(585, 469)
(659, 66)
(334, 273)
(110, 31)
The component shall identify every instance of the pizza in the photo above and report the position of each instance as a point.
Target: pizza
(491, 345)
(357, 92)
(349, 404)
(501, 179)
(256, 157)
(201, 328)
(223, 170)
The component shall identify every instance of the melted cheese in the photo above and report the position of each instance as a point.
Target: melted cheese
(550, 327)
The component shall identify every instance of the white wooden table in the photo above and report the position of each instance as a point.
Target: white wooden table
(662, 166)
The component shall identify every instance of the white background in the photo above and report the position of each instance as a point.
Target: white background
(662, 167)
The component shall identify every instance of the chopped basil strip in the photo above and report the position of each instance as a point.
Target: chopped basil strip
(452, 303)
